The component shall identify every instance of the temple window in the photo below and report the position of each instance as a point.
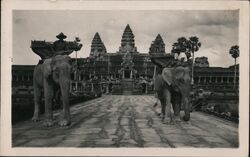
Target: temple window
(20, 78)
(213, 79)
(196, 80)
(25, 77)
(231, 79)
(14, 78)
(224, 79)
(219, 79)
(237, 79)
(72, 76)
(201, 79)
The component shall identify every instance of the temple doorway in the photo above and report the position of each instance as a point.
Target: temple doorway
(127, 73)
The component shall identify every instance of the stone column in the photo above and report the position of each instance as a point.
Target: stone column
(75, 77)
(70, 86)
(107, 88)
(199, 79)
(131, 74)
(92, 87)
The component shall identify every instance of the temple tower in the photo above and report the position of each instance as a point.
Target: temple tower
(157, 47)
(98, 49)
(127, 42)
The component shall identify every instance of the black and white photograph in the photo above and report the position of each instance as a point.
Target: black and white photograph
(116, 76)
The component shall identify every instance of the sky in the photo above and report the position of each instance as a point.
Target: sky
(216, 30)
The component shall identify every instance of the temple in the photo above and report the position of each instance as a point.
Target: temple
(98, 49)
(128, 41)
(127, 71)
(157, 46)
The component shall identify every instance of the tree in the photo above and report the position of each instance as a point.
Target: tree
(179, 46)
(193, 45)
(235, 52)
(187, 46)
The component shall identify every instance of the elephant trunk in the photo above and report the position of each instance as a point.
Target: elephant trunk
(186, 109)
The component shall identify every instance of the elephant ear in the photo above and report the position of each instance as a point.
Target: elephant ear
(158, 82)
(167, 75)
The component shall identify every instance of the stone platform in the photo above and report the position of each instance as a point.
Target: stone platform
(126, 121)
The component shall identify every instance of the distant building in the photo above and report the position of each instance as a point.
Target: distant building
(98, 49)
(201, 62)
(128, 42)
(216, 79)
(22, 79)
(157, 47)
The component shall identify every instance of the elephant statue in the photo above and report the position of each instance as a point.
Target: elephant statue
(173, 86)
(53, 73)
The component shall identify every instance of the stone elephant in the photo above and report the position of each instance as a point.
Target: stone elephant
(173, 86)
(51, 74)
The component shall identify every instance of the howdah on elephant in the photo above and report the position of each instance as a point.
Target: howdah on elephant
(173, 86)
(51, 73)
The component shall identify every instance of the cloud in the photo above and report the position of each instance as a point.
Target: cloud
(217, 30)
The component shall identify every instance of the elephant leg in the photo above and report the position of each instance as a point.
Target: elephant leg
(177, 117)
(168, 118)
(163, 108)
(65, 116)
(37, 102)
(186, 109)
(176, 102)
(48, 95)
(57, 98)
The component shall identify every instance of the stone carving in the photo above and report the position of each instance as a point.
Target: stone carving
(127, 66)
(48, 49)
(128, 60)
(51, 75)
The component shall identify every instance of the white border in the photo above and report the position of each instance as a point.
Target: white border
(6, 53)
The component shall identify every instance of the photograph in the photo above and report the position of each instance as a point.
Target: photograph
(99, 76)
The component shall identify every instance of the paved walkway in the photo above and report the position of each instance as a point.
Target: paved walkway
(126, 121)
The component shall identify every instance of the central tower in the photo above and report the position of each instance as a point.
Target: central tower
(127, 42)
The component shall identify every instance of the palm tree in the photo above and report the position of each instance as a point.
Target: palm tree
(179, 46)
(193, 45)
(235, 52)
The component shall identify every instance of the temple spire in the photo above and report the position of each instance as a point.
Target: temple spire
(127, 41)
(97, 47)
(158, 46)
